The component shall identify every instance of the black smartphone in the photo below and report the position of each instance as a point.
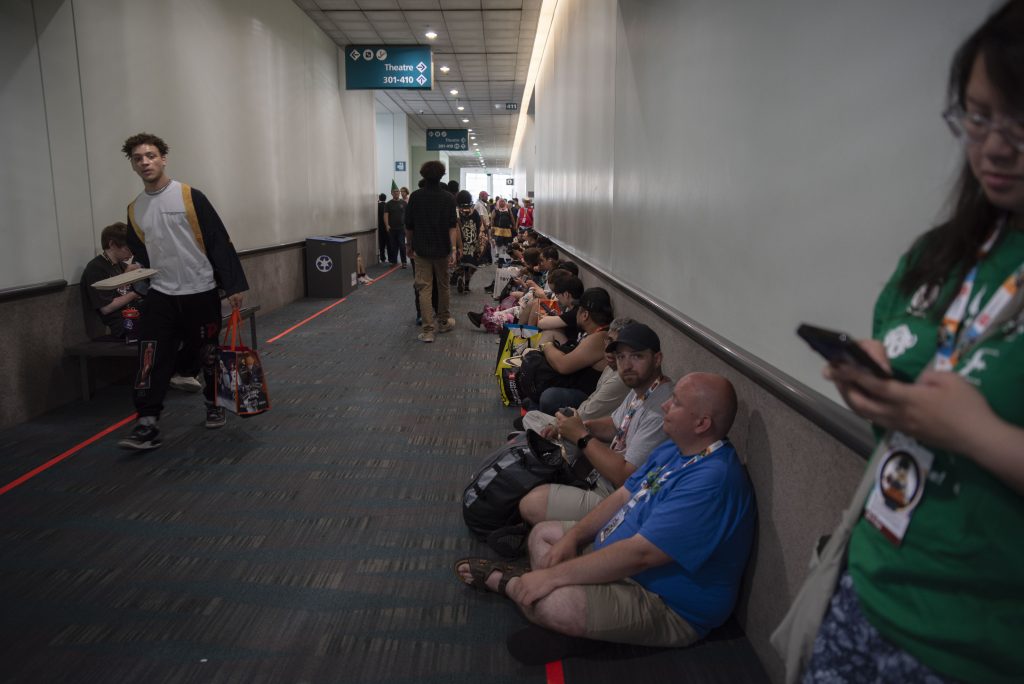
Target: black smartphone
(838, 347)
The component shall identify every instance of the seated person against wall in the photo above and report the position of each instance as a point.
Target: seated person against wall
(108, 304)
(578, 365)
(538, 287)
(507, 310)
(112, 261)
(669, 547)
(602, 401)
(566, 289)
(616, 445)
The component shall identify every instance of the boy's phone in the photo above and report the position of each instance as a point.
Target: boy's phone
(838, 347)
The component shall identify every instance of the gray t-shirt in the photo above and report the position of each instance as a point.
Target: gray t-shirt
(645, 431)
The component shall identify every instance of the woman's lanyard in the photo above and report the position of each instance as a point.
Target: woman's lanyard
(953, 341)
(903, 468)
(652, 483)
(619, 442)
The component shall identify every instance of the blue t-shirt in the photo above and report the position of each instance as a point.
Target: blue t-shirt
(701, 515)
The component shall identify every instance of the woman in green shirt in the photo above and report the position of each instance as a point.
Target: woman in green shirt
(934, 584)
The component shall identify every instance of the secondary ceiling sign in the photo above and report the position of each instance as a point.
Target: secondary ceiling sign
(447, 139)
(388, 67)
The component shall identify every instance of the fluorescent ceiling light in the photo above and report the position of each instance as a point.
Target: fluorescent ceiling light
(453, 91)
(465, 121)
(460, 108)
(430, 35)
(445, 68)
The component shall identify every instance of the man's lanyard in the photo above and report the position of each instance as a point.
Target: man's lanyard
(652, 483)
(619, 442)
(953, 341)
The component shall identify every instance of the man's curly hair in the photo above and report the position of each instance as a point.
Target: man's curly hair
(144, 139)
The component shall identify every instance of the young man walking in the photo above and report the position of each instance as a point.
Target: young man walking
(175, 229)
(433, 237)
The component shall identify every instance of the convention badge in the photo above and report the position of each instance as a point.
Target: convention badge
(899, 485)
(617, 519)
(613, 524)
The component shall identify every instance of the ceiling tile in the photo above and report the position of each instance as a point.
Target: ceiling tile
(419, 4)
(336, 4)
(378, 4)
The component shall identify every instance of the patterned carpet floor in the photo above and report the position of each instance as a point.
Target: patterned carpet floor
(313, 543)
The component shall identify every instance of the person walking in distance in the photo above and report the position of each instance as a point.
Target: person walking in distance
(433, 238)
(175, 229)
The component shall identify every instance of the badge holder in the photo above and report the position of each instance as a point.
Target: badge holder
(899, 483)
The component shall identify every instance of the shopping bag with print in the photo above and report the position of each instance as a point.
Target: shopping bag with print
(241, 381)
(516, 340)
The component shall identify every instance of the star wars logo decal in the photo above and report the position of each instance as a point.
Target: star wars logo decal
(324, 263)
(900, 480)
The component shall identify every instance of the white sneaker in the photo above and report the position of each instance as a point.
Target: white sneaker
(183, 383)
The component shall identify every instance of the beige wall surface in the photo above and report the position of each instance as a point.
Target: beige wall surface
(756, 165)
(249, 94)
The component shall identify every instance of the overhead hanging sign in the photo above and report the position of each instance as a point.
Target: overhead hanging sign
(447, 139)
(388, 67)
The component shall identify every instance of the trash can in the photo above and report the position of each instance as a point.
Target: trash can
(331, 266)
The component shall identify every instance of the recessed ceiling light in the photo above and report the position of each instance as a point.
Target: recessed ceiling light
(445, 68)
(453, 91)
(472, 137)
(460, 108)
(465, 121)
(470, 130)
(497, 105)
(430, 35)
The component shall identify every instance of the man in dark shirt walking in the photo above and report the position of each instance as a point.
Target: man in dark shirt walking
(394, 219)
(432, 236)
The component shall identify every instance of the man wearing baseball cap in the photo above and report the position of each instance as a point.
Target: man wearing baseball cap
(615, 445)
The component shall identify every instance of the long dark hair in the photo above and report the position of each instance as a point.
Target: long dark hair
(951, 248)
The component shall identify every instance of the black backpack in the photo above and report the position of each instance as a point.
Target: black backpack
(491, 501)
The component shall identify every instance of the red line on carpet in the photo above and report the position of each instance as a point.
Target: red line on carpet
(54, 461)
(327, 308)
(99, 435)
(301, 323)
(554, 672)
(383, 275)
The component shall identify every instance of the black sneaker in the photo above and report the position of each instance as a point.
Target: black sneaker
(216, 416)
(143, 438)
(475, 318)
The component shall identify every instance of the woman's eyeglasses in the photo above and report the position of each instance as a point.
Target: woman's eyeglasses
(973, 127)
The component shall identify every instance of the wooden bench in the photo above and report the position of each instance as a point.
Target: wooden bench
(107, 347)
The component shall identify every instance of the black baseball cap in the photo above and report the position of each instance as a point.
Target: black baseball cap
(636, 336)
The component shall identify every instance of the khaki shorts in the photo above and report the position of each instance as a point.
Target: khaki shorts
(624, 612)
(572, 503)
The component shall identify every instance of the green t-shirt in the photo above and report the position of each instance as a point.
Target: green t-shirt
(952, 594)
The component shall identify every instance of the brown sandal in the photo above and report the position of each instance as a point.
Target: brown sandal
(481, 568)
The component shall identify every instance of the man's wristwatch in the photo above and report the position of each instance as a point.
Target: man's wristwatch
(583, 441)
